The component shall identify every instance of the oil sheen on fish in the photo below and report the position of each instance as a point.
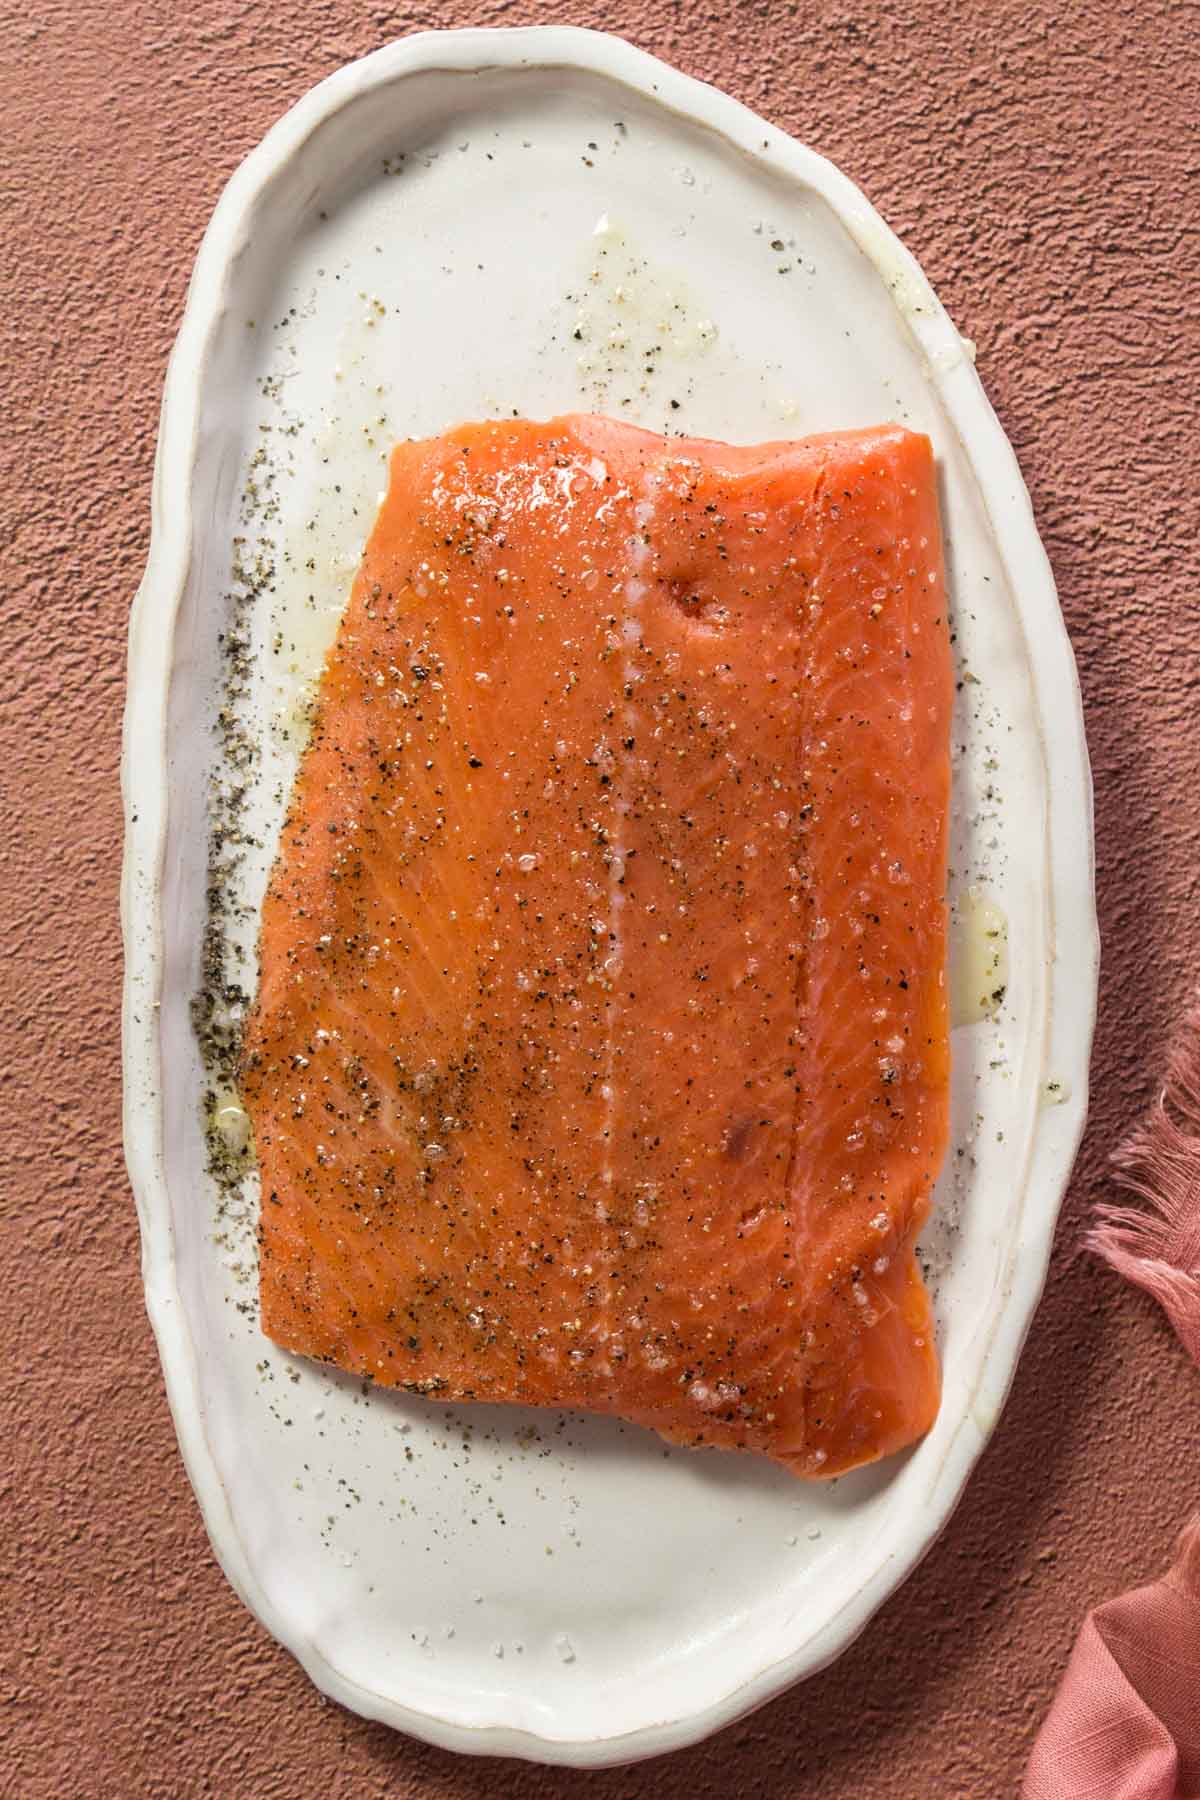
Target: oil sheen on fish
(600, 1053)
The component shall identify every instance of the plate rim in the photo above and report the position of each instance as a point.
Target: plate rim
(1073, 952)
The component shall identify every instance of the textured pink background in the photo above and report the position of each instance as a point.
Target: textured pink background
(1042, 161)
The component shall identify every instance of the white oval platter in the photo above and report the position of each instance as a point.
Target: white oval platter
(468, 224)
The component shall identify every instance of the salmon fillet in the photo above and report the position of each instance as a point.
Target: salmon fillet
(600, 1051)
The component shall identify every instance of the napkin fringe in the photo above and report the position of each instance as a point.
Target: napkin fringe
(1157, 1243)
(1185, 1573)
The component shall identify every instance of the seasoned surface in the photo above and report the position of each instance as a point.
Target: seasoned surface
(600, 1056)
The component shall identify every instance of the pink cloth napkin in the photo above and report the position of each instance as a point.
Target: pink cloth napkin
(1125, 1724)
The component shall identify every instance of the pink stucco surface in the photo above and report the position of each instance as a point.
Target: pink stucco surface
(1042, 161)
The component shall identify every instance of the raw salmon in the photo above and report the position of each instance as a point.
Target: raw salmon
(600, 1051)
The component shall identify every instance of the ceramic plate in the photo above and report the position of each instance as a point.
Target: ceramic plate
(484, 223)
